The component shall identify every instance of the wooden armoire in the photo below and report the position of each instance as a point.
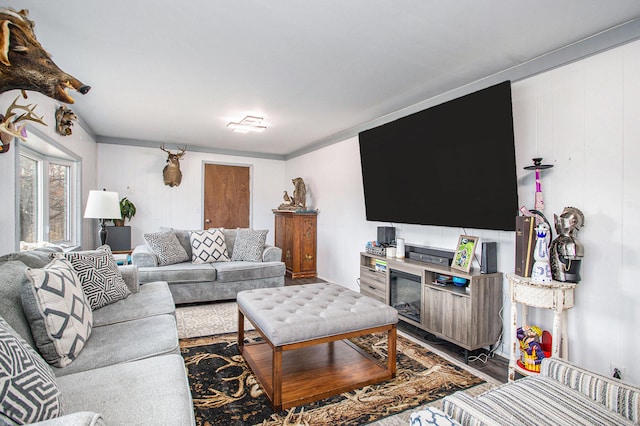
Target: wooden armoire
(295, 234)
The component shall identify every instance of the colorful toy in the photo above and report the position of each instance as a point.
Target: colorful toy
(531, 346)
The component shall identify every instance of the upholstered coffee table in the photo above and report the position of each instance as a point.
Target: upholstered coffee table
(305, 354)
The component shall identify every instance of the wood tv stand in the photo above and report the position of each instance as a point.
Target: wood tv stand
(469, 319)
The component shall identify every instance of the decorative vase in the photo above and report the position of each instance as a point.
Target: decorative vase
(541, 268)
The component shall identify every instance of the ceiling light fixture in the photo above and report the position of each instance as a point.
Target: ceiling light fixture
(248, 124)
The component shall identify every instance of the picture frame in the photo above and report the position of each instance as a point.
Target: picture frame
(465, 251)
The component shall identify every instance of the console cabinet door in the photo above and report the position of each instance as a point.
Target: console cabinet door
(457, 317)
(433, 307)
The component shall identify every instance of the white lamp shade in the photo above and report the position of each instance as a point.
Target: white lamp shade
(103, 205)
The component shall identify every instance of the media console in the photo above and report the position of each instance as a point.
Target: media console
(466, 316)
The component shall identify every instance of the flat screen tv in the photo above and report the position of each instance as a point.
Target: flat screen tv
(450, 165)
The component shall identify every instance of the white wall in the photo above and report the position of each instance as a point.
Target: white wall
(583, 119)
(79, 142)
(136, 173)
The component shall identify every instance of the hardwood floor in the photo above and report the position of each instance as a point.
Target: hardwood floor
(495, 366)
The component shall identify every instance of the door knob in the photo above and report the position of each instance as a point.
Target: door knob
(207, 221)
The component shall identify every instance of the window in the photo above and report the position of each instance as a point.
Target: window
(48, 192)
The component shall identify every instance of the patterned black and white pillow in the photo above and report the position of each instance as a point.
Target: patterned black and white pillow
(29, 390)
(208, 246)
(58, 312)
(101, 279)
(249, 245)
(166, 247)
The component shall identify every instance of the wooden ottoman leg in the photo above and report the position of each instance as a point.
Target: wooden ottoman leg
(391, 350)
(276, 373)
(240, 330)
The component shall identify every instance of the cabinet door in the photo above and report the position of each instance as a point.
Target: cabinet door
(289, 238)
(279, 239)
(457, 317)
(308, 244)
(432, 315)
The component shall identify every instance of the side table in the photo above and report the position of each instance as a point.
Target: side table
(555, 295)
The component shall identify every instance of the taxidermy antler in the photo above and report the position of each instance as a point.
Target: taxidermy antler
(10, 126)
(171, 172)
(25, 65)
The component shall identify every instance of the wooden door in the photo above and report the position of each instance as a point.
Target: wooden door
(226, 196)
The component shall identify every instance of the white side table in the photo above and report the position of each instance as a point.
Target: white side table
(555, 295)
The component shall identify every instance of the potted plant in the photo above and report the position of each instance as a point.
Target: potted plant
(127, 209)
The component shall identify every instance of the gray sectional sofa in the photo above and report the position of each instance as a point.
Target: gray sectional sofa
(208, 282)
(130, 370)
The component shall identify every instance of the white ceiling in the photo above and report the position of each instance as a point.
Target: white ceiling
(178, 72)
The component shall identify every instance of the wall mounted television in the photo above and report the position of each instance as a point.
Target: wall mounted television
(450, 165)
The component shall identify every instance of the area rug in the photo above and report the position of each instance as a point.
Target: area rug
(225, 392)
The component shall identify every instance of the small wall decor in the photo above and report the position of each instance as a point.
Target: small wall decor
(299, 200)
(25, 65)
(64, 120)
(465, 251)
(171, 173)
(12, 123)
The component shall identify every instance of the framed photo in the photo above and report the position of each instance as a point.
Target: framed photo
(465, 250)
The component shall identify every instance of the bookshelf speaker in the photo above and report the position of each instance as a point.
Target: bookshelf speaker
(489, 260)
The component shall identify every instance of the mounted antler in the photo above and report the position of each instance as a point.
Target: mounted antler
(171, 172)
(9, 127)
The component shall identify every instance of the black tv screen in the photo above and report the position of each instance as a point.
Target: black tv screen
(450, 165)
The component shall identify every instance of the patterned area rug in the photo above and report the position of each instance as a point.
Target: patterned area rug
(226, 393)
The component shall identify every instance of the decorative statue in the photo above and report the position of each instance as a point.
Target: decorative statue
(299, 201)
(171, 172)
(541, 268)
(566, 251)
(25, 65)
(64, 120)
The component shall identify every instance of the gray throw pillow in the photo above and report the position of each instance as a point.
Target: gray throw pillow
(58, 311)
(101, 279)
(29, 390)
(208, 246)
(166, 247)
(249, 245)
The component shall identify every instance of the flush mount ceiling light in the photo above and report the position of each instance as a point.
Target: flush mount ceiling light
(248, 124)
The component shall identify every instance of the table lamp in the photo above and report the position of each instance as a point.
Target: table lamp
(103, 205)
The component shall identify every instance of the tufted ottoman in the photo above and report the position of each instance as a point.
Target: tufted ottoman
(305, 355)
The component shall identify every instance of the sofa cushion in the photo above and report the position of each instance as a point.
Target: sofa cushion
(555, 404)
(58, 312)
(166, 247)
(208, 246)
(12, 280)
(99, 274)
(178, 273)
(149, 391)
(249, 245)
(243, 271)
(28, 390)
(152, 299)
(124, 342)
(183, 236)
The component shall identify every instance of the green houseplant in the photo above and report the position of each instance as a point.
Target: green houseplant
(127, 209)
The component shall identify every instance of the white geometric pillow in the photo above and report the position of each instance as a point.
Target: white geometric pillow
(208, 246)
(249, 245)
(166, 247)
(98, 271)
(28, 390)
(58, 311)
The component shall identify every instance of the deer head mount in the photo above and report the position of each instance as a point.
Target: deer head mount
(25, 65)
(64, 120)
(12, 123)
(171, 172)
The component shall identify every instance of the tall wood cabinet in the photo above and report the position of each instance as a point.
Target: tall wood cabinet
(295, 234)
